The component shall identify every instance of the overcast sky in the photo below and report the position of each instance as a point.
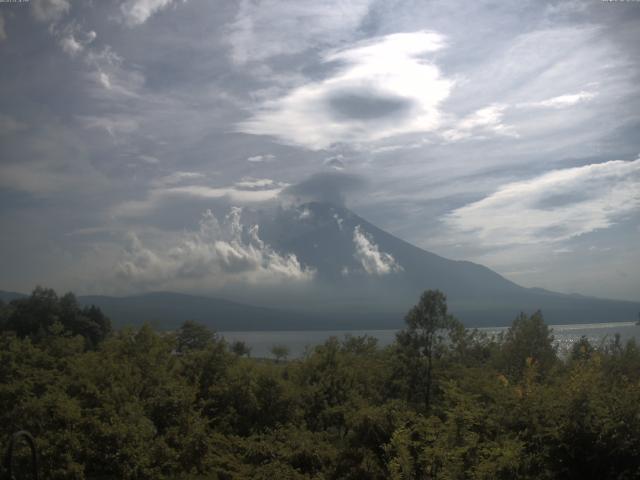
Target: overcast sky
(502, 132)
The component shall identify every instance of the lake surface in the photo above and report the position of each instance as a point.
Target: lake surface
(300, 341)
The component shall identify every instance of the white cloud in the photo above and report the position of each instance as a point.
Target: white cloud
(481, 122)
(562, 101)
(136, 12)
(176, 178)
(541, 64)
(370, 257)
(234, 193)
(384, 87)
(539, 75)
(249, 183)
(113, 125)
(150, 159)
(305, 214)
(70, 45)
(49, 10)
(261, 158)
(553, 207)
(266, 28)
(243, 192)
(215, 254)
(74, 41)
(109, 73)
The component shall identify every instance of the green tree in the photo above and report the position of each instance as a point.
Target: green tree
(43, 314)
(4, 315)
(240, 348)
(193, 336)
(88, 322)
(428, 333)
(34, 315)
(528, 341)
(582, 349)
(280, 352)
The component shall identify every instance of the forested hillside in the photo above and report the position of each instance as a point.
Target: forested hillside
(441, 402)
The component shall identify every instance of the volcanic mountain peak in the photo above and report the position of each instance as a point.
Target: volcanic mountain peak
(363, 278)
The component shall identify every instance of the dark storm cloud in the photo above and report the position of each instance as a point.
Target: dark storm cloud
(330, 187)
(367, 106)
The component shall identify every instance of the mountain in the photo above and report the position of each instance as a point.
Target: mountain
(365, 278)
(8, 296)
(166, 310)
(325, 237)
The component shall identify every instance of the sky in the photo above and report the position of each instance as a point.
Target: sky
(132, 132)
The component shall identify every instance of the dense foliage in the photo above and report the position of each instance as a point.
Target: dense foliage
(442, 402)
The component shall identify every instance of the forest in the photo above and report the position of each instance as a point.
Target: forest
(442, 402)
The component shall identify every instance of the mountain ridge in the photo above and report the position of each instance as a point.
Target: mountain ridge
(345, 295)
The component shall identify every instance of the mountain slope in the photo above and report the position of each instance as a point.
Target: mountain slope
(365, 278)
(8, 296)
(323, 236)
(168, 310)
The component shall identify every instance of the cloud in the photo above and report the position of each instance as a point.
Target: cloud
(106, 66)
(49, 10)
(264, 29)
(10, 125)
(244, 192)
(553, 207)
(177, 178)
(261, 158)
(489, 120)
(150, 159)
(74, 41)
(114, 125)
(370, 257)
(327, 187)
(43, 178)
(562, 101)
(336, 162)
(109, 73)
(249, 183)
(481, 122)
(70, 45)
(37, 178)
(235, 193)
(215, 254)
(137, 12)
(383, 87)
(536, 76)
(52, 161)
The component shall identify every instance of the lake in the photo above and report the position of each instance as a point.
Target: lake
(299, 341)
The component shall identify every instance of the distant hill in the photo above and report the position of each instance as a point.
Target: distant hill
(8, 296)
(166, 310)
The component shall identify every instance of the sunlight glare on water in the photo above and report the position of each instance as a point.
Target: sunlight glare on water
(299, 342)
